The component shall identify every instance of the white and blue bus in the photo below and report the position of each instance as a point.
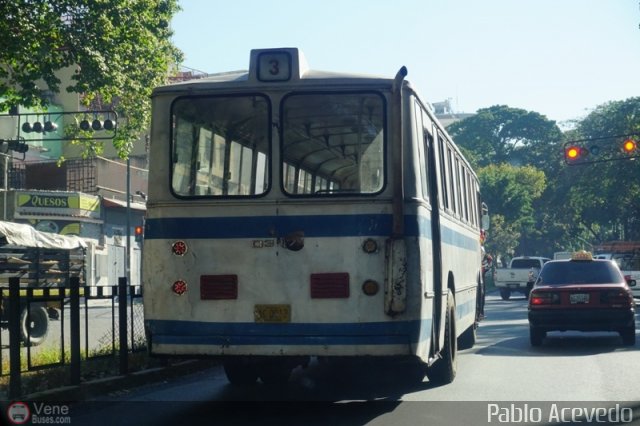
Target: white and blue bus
(295, 213)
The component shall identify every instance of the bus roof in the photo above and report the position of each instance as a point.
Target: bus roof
(291, 60)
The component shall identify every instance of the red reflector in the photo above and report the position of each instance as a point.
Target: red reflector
(218, 287)
(330, 285)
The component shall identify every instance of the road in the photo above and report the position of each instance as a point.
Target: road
(501, 376)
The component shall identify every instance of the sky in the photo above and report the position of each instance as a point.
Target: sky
(560, 58)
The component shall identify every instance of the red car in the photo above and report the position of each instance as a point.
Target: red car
(581, 294)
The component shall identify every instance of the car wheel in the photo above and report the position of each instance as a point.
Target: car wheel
(34, 326)
(444, 370)
(628, 336)
(505, 293)
(536, 336)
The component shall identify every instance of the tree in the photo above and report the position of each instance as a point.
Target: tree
(510, 192)
(121, 50)
(501, 134)
(604, 197)
(502, 238)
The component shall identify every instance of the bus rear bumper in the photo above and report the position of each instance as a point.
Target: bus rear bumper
(217, 339)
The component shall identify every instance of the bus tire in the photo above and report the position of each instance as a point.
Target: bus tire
(444, 370)
(240, 372)
(34, 327)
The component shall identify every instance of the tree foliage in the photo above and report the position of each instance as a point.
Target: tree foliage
(538, 203)
(606, 195)
(510, 192)
(501, 134)
(121, 50)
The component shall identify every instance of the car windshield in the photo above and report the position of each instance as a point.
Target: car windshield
(570, 272)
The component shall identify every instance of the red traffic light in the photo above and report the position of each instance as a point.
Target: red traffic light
(138, 230)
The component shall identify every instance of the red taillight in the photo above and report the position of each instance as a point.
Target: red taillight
(544, 298)
(179, 248)
(330, 285)
(179, 287)
(618, 298)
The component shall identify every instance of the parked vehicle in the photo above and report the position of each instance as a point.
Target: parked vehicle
(561, 255)
(41, 260)
(627, 255)
(519, 276)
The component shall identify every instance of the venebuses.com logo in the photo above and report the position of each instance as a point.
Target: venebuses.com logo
(20, 413)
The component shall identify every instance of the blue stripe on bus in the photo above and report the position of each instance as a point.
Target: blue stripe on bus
(313, 226)
(205, 333)
(269, 226)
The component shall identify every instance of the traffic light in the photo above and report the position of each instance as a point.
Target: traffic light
(139, 233)
(629, 146)
(606, 148)
(573, 153)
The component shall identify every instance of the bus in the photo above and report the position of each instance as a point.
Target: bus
(298, 215)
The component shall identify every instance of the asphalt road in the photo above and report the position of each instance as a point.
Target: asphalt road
(502, 380)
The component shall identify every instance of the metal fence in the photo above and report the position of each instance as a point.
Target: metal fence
(57, 326)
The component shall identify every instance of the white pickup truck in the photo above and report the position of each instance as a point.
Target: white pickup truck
(629, 266)
(519, 276)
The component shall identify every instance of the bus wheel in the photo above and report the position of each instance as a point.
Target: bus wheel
(239, 371)
(34, 326)
(444, 370)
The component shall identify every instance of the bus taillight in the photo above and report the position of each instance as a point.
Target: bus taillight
(179, 287)
(179, 248)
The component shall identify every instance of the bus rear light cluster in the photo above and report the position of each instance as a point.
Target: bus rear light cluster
(179, 248)
(179, 287)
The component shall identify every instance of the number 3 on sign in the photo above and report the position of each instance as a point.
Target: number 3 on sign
(274, 66)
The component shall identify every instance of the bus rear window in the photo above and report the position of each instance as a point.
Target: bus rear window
(220, 146)
(333, 143)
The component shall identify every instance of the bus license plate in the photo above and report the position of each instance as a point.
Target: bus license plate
(579, 298)
(272, 313)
